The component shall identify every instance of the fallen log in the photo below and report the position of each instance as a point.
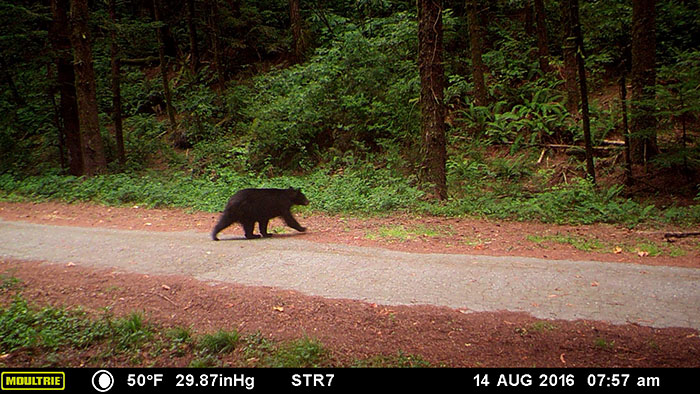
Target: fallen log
(141, 61)
(682, 235)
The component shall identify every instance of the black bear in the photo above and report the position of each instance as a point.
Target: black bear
(248, 206)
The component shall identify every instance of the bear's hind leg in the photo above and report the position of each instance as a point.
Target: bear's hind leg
(248, 227)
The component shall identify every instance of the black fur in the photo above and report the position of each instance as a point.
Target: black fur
(248, 206)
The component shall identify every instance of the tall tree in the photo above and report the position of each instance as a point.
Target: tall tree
(59, 36)
(625, 127)
(432, 77)
(541, 29)
(476, 48)
(212, 9)
(569, 54)
(94, 160)
(164, 65)
(194, 51)
(10, 82)
(643, 122)
(590, 168)
(297, 34)
(116, 86)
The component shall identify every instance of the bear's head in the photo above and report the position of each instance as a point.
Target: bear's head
(297, 197)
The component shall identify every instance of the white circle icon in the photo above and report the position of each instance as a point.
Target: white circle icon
(102, 381)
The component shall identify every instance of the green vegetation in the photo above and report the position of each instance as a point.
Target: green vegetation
(22, 327)
(587, 244)
(343, 122)
(604, 344)
(300, 353)
(401, 233)
(399, 360)
(538, 327)
(358, 190)
(51, 336)
(581, 243)
(220, 342)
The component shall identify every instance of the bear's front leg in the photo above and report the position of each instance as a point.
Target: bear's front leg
(263, 228)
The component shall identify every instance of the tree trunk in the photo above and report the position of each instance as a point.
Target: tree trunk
(212, 18)
(590, 168)
(116, 88)
(11, 84)
(625, 127)
(295, 19)
(569, 55)
(164, 67)
(59, 36)
(432, 78)
(51, 91)
(476, 47)
(643, 126)
(541, 28)
(94, 161)
(194, 51)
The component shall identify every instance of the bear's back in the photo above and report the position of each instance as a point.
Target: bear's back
(254, 203)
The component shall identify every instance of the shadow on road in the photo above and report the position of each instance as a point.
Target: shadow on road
(243, 238)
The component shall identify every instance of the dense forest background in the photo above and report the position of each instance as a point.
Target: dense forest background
(554, 110)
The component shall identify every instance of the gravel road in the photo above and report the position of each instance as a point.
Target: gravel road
(548, 289)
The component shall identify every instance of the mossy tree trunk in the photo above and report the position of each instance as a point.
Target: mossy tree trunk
(94, 161)
(432, 77)
(59, 37)
(116, 86)
(643, 122)
(476, 49)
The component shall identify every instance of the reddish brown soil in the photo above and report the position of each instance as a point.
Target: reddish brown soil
(355, 330)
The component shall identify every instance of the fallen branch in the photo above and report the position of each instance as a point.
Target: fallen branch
(164, 297)
(566, 146)
(613, 142)
(141, 61)
(682, 235)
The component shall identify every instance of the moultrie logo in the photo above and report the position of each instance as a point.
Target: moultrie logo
(28, 380)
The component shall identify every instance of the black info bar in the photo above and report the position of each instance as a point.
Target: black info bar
(336, 380)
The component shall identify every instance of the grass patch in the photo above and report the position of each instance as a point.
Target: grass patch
(26, 328)
(53, 336)
(604, 344)
(643, 248)
(537, 327)
(399, 360)
(9, 283)
(301, 353)
(402, 233)
(580, 243)
(649, 249)
(131, 332)
(220, 342)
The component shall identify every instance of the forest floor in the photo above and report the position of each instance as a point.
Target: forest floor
(355, 330)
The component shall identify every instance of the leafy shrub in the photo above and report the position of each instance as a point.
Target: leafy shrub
(576, 203)
(358, 89)
(536, 115)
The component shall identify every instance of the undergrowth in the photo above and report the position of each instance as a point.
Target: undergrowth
(362, 189)
(53, 336)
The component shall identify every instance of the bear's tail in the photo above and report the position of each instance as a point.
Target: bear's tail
(224, 221)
